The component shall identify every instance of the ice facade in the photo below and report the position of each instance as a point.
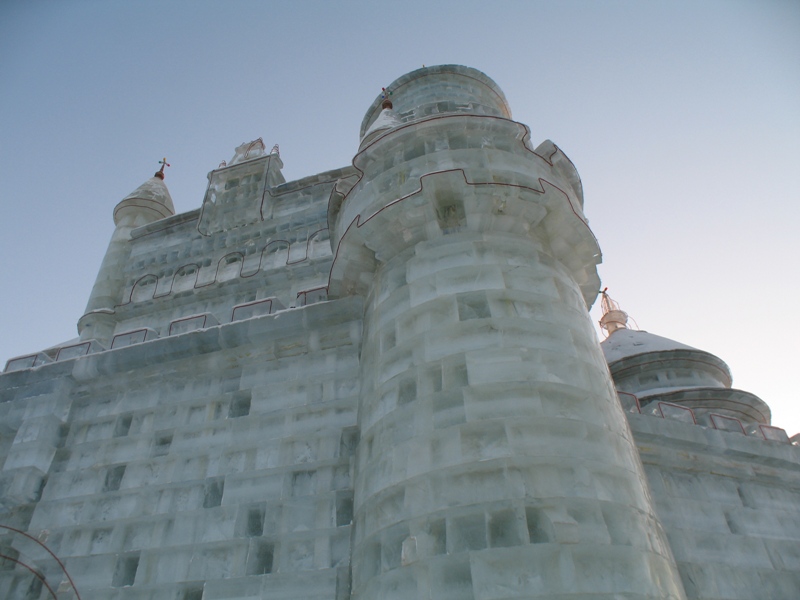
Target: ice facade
(381, 382)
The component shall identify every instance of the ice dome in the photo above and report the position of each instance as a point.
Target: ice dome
(628, 342)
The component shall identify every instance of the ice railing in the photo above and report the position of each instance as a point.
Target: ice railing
(667, 410)
(247, 310)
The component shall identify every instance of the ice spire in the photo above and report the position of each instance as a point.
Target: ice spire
(613, 316)
(149, 202)
(387, 119)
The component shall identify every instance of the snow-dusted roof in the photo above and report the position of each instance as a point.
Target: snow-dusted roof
(152, 189)
(151, 198)
(628, 342)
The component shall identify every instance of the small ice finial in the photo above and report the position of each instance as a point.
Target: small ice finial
(613, 316)
(160, 173)
(256, 146)
(275, 150)
(387, 103)
(248, 151)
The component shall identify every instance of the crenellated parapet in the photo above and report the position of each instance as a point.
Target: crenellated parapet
(463, 167)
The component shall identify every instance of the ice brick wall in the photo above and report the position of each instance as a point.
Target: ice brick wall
(214, 464)
(729, 504)
(494, 461)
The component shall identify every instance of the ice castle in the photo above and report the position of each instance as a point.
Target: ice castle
(382, 382)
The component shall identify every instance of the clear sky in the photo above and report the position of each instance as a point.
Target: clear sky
(682, 117)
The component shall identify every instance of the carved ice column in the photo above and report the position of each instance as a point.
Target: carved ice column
(150, 202)
(494, 459)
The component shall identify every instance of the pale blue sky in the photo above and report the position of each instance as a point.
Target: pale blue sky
(683, 119)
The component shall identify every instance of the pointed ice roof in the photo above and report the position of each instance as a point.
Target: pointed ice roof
(151, 201)
(388, 119)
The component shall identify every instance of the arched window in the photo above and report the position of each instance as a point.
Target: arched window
(318, 244)
(185, 278)
(275, 255)
(144, 289)
(230, 266)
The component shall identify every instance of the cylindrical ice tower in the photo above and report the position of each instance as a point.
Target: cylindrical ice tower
(494, 459)
(149, 202)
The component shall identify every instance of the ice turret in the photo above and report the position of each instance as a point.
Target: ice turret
(658, 369)
(150, 202)
(240, 191)
(491, 436)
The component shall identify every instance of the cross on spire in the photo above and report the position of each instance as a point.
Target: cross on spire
(163, 162)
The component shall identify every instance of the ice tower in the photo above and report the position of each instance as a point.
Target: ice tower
(148, 203)
(487, 415)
